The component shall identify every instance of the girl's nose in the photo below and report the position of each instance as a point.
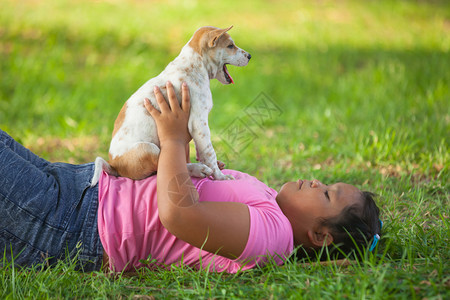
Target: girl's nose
(315, 183)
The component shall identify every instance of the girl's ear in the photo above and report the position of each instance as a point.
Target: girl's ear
(320, 237)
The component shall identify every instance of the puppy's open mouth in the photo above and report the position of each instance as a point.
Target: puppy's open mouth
(227, 74)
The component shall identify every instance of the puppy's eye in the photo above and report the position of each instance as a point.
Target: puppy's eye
(231, 46)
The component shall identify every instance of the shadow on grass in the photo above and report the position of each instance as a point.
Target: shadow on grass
(60, 83)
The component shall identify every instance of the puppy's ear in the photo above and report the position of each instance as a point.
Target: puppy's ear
(215, 36)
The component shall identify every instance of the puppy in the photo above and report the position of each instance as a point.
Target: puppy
(134, 148)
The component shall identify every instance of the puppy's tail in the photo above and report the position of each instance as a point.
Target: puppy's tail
(102, 165)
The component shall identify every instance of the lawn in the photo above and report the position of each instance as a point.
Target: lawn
(353, 91)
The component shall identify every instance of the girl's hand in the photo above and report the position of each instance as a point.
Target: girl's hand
(216, 227)
(172, 121)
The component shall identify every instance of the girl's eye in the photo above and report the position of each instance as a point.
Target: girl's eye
(230, 46)
(326, 195)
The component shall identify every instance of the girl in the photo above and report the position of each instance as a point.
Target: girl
(48, 211)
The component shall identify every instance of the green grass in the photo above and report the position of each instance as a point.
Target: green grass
(362, 91)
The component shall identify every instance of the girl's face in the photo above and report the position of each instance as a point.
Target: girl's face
(305, 203)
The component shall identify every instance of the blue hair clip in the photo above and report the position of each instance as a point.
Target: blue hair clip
(376, 238)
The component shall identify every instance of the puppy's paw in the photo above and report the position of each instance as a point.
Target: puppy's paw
(199, 170)
(221, 176)
(229, 177)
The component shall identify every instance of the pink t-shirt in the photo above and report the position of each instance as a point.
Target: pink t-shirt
(130, 229)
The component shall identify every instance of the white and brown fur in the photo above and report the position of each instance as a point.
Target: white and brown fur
(134, 148)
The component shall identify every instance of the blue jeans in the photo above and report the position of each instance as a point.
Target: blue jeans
(48, 211)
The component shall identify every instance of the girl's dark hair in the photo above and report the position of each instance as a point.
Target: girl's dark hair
(354, 228)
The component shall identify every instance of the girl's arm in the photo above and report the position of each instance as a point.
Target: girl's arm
(217, 227)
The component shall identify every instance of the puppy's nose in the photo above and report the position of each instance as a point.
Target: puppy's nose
(249, 56)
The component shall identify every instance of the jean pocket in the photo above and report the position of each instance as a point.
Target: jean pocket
(71, 182)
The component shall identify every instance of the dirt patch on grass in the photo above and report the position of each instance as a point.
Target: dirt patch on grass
(75, 150)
